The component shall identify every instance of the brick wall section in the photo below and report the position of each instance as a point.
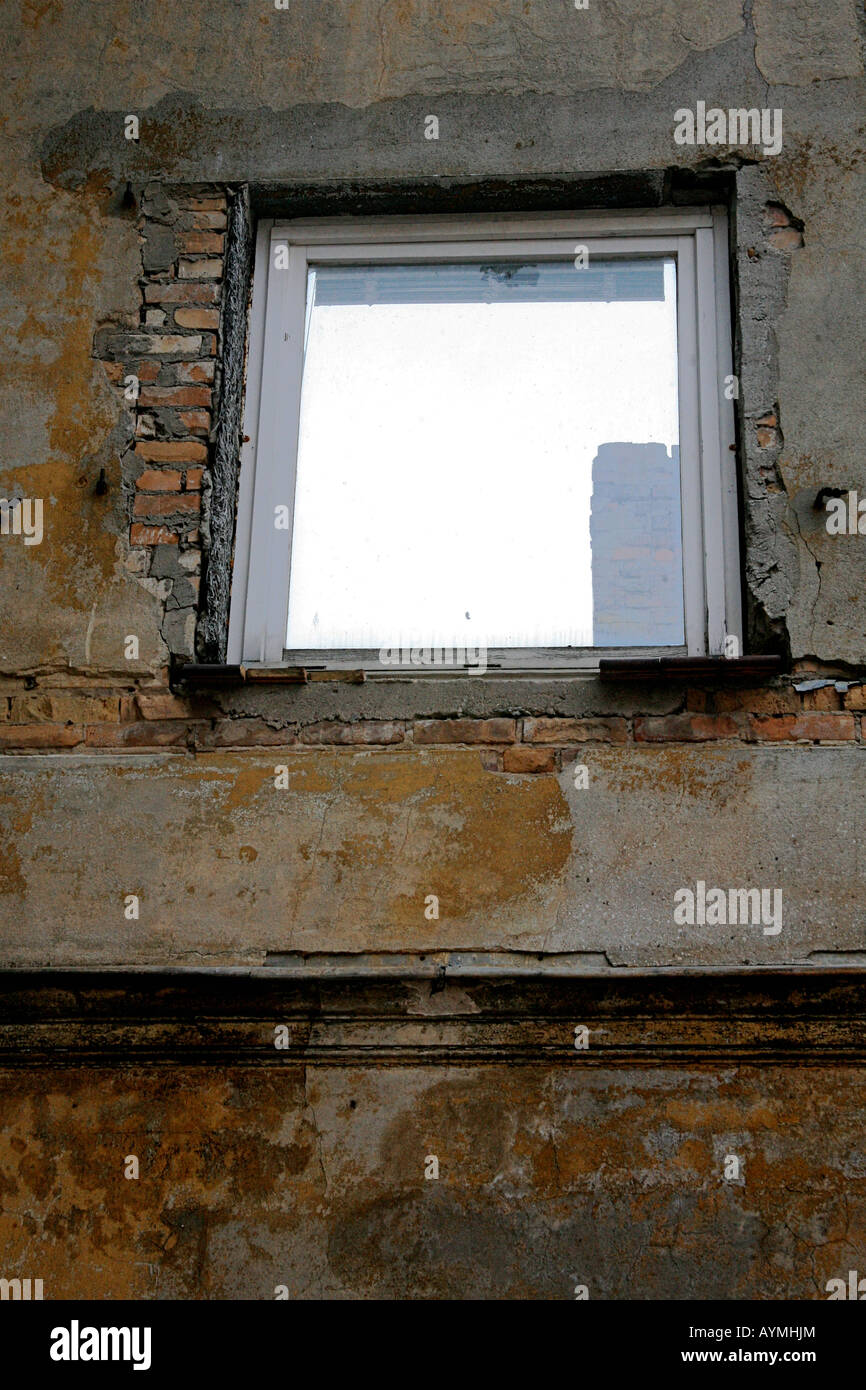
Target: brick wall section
(173, 352)
(75, 718)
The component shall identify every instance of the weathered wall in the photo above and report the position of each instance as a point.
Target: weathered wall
(547, 1180)
(113, 784)
(230, 869)
(339, 92)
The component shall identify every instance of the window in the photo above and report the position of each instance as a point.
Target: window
(504, 433)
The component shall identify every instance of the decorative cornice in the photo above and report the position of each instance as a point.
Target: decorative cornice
(74, 1019)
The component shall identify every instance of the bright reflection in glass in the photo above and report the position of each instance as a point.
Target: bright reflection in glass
(488, 455)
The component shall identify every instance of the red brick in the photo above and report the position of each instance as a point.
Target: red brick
(194, 371)
(151, 535)
(826, 697)
(698, 701)
(40, 735)
(767, 438)
(776, 216)
(368, 731)
(63, 707)
(193, 479)
(147, 371)
(173, 292)
(175, 396)
(168, 344)
(465, 731)
(203, 243)
(196, 421)
(246, 733)
(855, 698)
(684, 728)
(522, 759)
(209, 218)
(786, 238)
(172, 451)
(163, 704)
(115, 371)
(810, 726)
(159, 480)
(144, 734)
(166, 504)
(208, 269)
(758, 701)
(575, 730)
(197, 318)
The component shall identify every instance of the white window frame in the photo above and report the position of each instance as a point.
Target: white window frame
(697, 238)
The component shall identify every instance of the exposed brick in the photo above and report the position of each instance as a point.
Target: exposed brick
(767, 438)
(197, 318)
(785, 700)
(166, 343)
(194, 371)
(159, 480)
(612, 730)
(208, 218)
(164, 705)
(211, 204)
(684, 728)
(855, 698)
(151, 535)
(193, 479)
(172, 292)
(774, 215)
(200, 270)
(811, 727)
(699, 701)
(115, 372)
(196, 421)
(202, 243)
(786, 239)
(246, 733)
(144, 734)
(465, 731)
(176, 396)
(166, 504)
(826, 697)
(40, 735)
(522, 759)
(63, 709)
(367, 731)
(147, 371)
(173, 451)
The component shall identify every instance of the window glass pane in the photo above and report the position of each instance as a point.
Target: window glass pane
(488, 455)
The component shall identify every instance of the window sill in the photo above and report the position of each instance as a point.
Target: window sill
(684, 668)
